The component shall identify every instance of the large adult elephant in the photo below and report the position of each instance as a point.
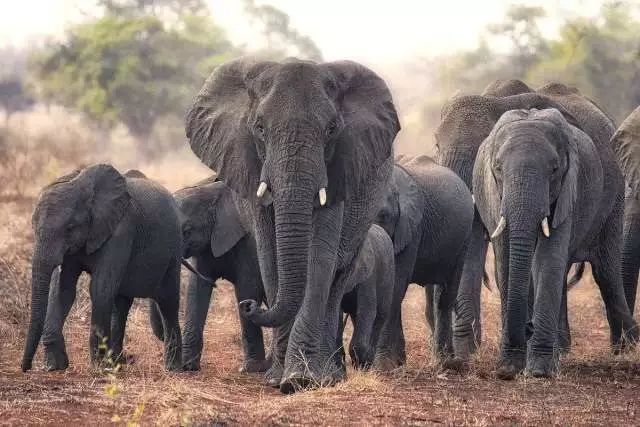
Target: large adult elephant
(626, 143)
(308, 149)
(553, 196)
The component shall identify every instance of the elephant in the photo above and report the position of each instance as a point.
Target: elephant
(308, 149)
(217, 237)
(368, 298)
(122, 230)
(626, 144)
(553, 196)
(428, 212)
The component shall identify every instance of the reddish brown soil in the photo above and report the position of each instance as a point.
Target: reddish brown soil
(593, 387)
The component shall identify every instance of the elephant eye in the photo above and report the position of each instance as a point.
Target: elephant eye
(332, 128)
(259, 128)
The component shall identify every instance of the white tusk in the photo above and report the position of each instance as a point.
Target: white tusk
(473, 199)
(500, 228)
(322, 194)
(545, 227)
(262, 188)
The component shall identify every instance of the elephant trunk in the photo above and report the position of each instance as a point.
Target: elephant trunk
(525, 206)
(631, 257)
(42, 270)
(295, 186)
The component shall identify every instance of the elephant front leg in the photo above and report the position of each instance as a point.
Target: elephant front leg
(252, 339)
(61, 298)
(198, 299)
(118, 324)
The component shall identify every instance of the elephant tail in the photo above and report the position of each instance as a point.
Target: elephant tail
(155, 318)
(577, 276)
(486, 281)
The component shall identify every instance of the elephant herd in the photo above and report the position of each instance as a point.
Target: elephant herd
(312, 218)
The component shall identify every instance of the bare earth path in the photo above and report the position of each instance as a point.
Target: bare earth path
(594, 387)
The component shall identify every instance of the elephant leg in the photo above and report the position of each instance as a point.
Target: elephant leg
(443, 301)
(467, 328)
(428, 306)
(631, 257)
(252, 339)
(340, 338)
(549, 273)
(564, 332)
(391, 348)
(168, 303)
(61, 298)
(198, 301)
(102, 300)
(360, 348)
(118, 324)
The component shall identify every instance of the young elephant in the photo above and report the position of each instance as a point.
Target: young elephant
(428, 213)
(369, 302)
(123, 231)
(553, 196)
(215, 236)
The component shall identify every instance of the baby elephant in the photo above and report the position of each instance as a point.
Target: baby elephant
(369, 301)
(122, 230)
(215, 235)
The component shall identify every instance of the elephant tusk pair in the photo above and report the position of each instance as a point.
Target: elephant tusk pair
(322, 194)
(503, 223)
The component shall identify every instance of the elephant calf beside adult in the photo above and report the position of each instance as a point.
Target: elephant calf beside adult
(124, 231)
(552, 196)
(428, 212)
(216, 235)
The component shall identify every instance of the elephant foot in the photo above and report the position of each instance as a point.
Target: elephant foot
(125, 359)
(541, 365)
(253, 365)
(298, 381)
(456, 364)
(385, 363)
(55, 360)
(190, 361)
(360, 357)
(510, 367)
(273, 376)
(629, 338)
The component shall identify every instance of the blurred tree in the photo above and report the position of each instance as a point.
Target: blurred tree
(282, 38)
(131, 69)
(13, 94)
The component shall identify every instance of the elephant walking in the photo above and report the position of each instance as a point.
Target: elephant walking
(428, 212)
(626, 144)
(217, 237)
(552, 196)
(124, 231)
(308, 147)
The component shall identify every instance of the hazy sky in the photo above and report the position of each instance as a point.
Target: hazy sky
(373, 31)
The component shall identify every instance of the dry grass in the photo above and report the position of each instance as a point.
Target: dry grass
(593, 387)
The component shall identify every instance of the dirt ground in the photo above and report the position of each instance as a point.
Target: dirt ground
(592, 388)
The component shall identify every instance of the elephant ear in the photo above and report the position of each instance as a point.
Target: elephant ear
(227, 228)
(216, 125)
(484, 187)
(370, 126)
(108, 203)
(566, 200)
(626, 144)
(410, 204)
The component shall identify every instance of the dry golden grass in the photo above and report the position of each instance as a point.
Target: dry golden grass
(593, 387)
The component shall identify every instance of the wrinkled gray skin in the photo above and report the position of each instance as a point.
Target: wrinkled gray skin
(428, 212)
(216, 237)
(123, 231)
(626, 144)
(466, 121)
(535, 165)
(299, 127)
(368, 299)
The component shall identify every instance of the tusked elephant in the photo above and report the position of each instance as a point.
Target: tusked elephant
(551, 196)
(368, 299)
(217, 237)
(626, 144)
(308, 148)
(125, 232)
(428, 212)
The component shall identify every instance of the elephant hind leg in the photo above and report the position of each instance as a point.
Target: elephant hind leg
(168, 303)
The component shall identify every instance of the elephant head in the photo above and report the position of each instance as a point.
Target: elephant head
(526, 174)
(209, 219)
(402, 210)
(75, 214)
(298, 135)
